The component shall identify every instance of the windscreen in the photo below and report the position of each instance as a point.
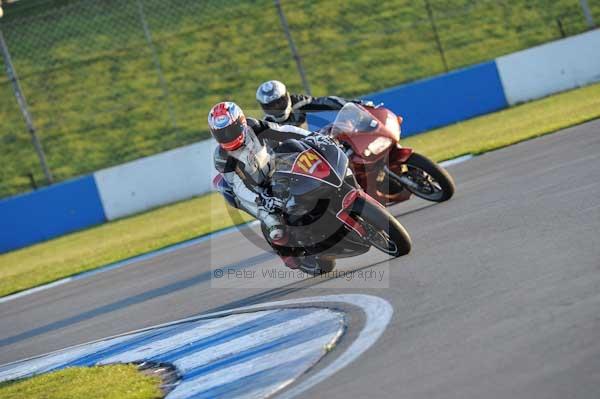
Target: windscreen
(352, 118)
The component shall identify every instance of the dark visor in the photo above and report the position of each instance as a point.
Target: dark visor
(277, 107)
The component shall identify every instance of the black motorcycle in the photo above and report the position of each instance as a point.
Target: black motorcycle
(327, 214)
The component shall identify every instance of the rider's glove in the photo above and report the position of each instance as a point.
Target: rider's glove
(270, 204)
(324, 131)
(368, 103)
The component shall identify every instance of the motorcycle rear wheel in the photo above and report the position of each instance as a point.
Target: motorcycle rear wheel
(386, 233)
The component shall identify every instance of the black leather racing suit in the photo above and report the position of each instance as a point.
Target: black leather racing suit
(302, 104)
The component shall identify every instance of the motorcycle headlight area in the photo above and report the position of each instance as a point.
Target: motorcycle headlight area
(378, 145)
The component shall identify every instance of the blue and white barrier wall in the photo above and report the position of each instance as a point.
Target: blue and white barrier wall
(49, 212)
(106, 195)
(438, 101)
(185, 172)
(445, 99)
(156, 180)
(551, 68)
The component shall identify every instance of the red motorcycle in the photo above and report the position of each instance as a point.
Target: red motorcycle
(387, 171)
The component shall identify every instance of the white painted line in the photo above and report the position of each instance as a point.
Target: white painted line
(255, 339)
(179, 340)
(455, 161)
(45, 363)
(127, 262)
(249, 356)
(35, 289)
(263, 392)
(312, 349)
(378, 315)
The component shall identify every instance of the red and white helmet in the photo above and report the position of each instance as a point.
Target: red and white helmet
(227, 125)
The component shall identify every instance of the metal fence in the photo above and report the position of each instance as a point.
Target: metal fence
(108, 81)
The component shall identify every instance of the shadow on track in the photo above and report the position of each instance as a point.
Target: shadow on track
(133, 300)
(279, 292)
(183, 284)
(176, 286)
(398, 215)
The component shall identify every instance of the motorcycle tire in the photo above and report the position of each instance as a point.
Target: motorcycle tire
(439, 174)
(385, 224)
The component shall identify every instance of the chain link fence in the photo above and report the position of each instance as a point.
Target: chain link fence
(109, 81)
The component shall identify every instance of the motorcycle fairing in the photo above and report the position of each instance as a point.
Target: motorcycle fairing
(311, 164)
(347, 205)
(344, 216)
(360, 127)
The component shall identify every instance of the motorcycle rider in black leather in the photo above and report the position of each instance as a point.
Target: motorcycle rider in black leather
(290, 109)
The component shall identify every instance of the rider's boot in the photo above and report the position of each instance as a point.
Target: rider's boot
(274, 226)
(278, 236)
(291, 261)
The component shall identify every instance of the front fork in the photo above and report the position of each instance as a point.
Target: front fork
(372, 176)
(401, 178)
(396, 159)
(394, 169)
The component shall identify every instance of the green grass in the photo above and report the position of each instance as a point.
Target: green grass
(510, 126)
(94, 247)
(117, 240)
(96, 98)
(105, 382)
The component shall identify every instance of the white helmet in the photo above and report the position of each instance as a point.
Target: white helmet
(274, 100)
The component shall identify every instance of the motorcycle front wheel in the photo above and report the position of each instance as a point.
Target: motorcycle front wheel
(428, 180)
(384, 231)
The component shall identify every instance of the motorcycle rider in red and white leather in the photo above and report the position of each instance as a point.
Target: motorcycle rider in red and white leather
(290, 109)
(246, 164)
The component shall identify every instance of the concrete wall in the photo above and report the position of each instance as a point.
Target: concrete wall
(553, 67)
(156, 180)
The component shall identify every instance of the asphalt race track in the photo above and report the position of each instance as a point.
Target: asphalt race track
(499, 298)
